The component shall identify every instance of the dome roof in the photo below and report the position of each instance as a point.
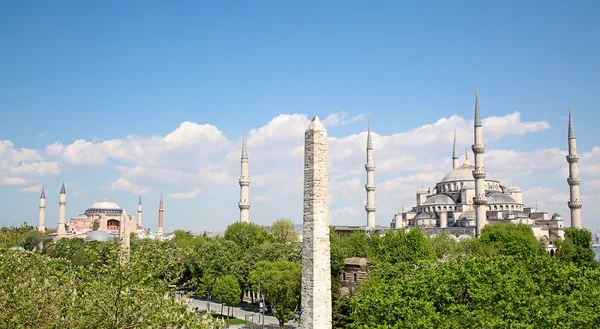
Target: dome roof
(423, 215)
(439, 199)
(467, 215)
(470, 185)
(99, 236)
(500, 198)
(513, 189)
(104, 207)
(463, 173)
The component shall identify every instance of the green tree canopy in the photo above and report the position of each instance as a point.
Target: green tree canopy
(280, 282)
(511, 239)
(246, 235)
(227, 290)
(577, 247)
(284, 231)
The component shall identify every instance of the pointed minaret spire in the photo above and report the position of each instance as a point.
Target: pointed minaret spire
(477, 115)
(571, 125)
(369, 140)
(42, 215)
(454, 155)
(573, 180)
(244, 181)
(62, 205)
(160, 218)
(244, 148)
(139, 224)
(370, 186)
(480, 200)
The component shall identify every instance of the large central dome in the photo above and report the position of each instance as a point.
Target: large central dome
(104, 207)
(463, 173)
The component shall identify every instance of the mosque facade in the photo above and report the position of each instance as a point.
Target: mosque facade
(102, 221)
(467, 198)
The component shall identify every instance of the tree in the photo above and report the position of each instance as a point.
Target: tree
(227, 291)
(284, 231)
(280, 282)
(511, 239)
(246, 235)
(401, 246)
(577, 247)
(37, 291)
(443, 244)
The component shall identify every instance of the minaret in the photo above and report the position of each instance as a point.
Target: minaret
(244, 181)
(160, 218)
(140, 212)
(42, 216)
(316, 269)
(454, 155)
(370, 186)
(573, 180)
(62, 205)
(480, 200)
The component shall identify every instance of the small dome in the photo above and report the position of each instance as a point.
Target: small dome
(500, 198)
(467, 215)
(423, 215)
(464, 173)
(104, 207)
(81, 216)
(422, 190)
(99, 236)
(470, 185)
(513, 189)
(441, 199)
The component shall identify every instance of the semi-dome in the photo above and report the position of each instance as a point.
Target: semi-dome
(500, 198)
(424, 215)
(440, 199)
(104, 207)
(99, 236)
(463, 173)
(467, 215)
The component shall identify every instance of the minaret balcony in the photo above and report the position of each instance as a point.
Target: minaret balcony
(478, 148)
(370, 167)
(575, 204)
(479, 200)
(370, 209)
(479, 173)
(244, 181)
(573, 181)
(370, 187)
(572, 158)
(244, 205)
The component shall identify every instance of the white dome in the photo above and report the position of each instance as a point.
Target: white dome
(104, 207)
(99, 236)
(463, 173)
(441, 199)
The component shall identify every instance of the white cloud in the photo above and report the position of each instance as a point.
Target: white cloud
(123, 184)
(341, 119)
(31, 189)
(199, 157)
(185, 195)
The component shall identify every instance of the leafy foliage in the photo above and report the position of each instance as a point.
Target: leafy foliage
(227, 290)
(280, 282)
(577, 247)
(284, 231)
(511, 239)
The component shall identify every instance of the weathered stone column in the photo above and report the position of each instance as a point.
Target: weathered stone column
(316, 271)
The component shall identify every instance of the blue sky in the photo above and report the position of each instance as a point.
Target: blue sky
(121, 74)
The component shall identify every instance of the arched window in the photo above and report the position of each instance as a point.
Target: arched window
(112, 224)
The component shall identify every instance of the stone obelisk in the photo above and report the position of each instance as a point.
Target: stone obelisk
(316, 271)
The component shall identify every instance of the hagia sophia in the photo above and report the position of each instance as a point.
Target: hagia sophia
(461, 203)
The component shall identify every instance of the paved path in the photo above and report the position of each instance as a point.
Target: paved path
(270, 321)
